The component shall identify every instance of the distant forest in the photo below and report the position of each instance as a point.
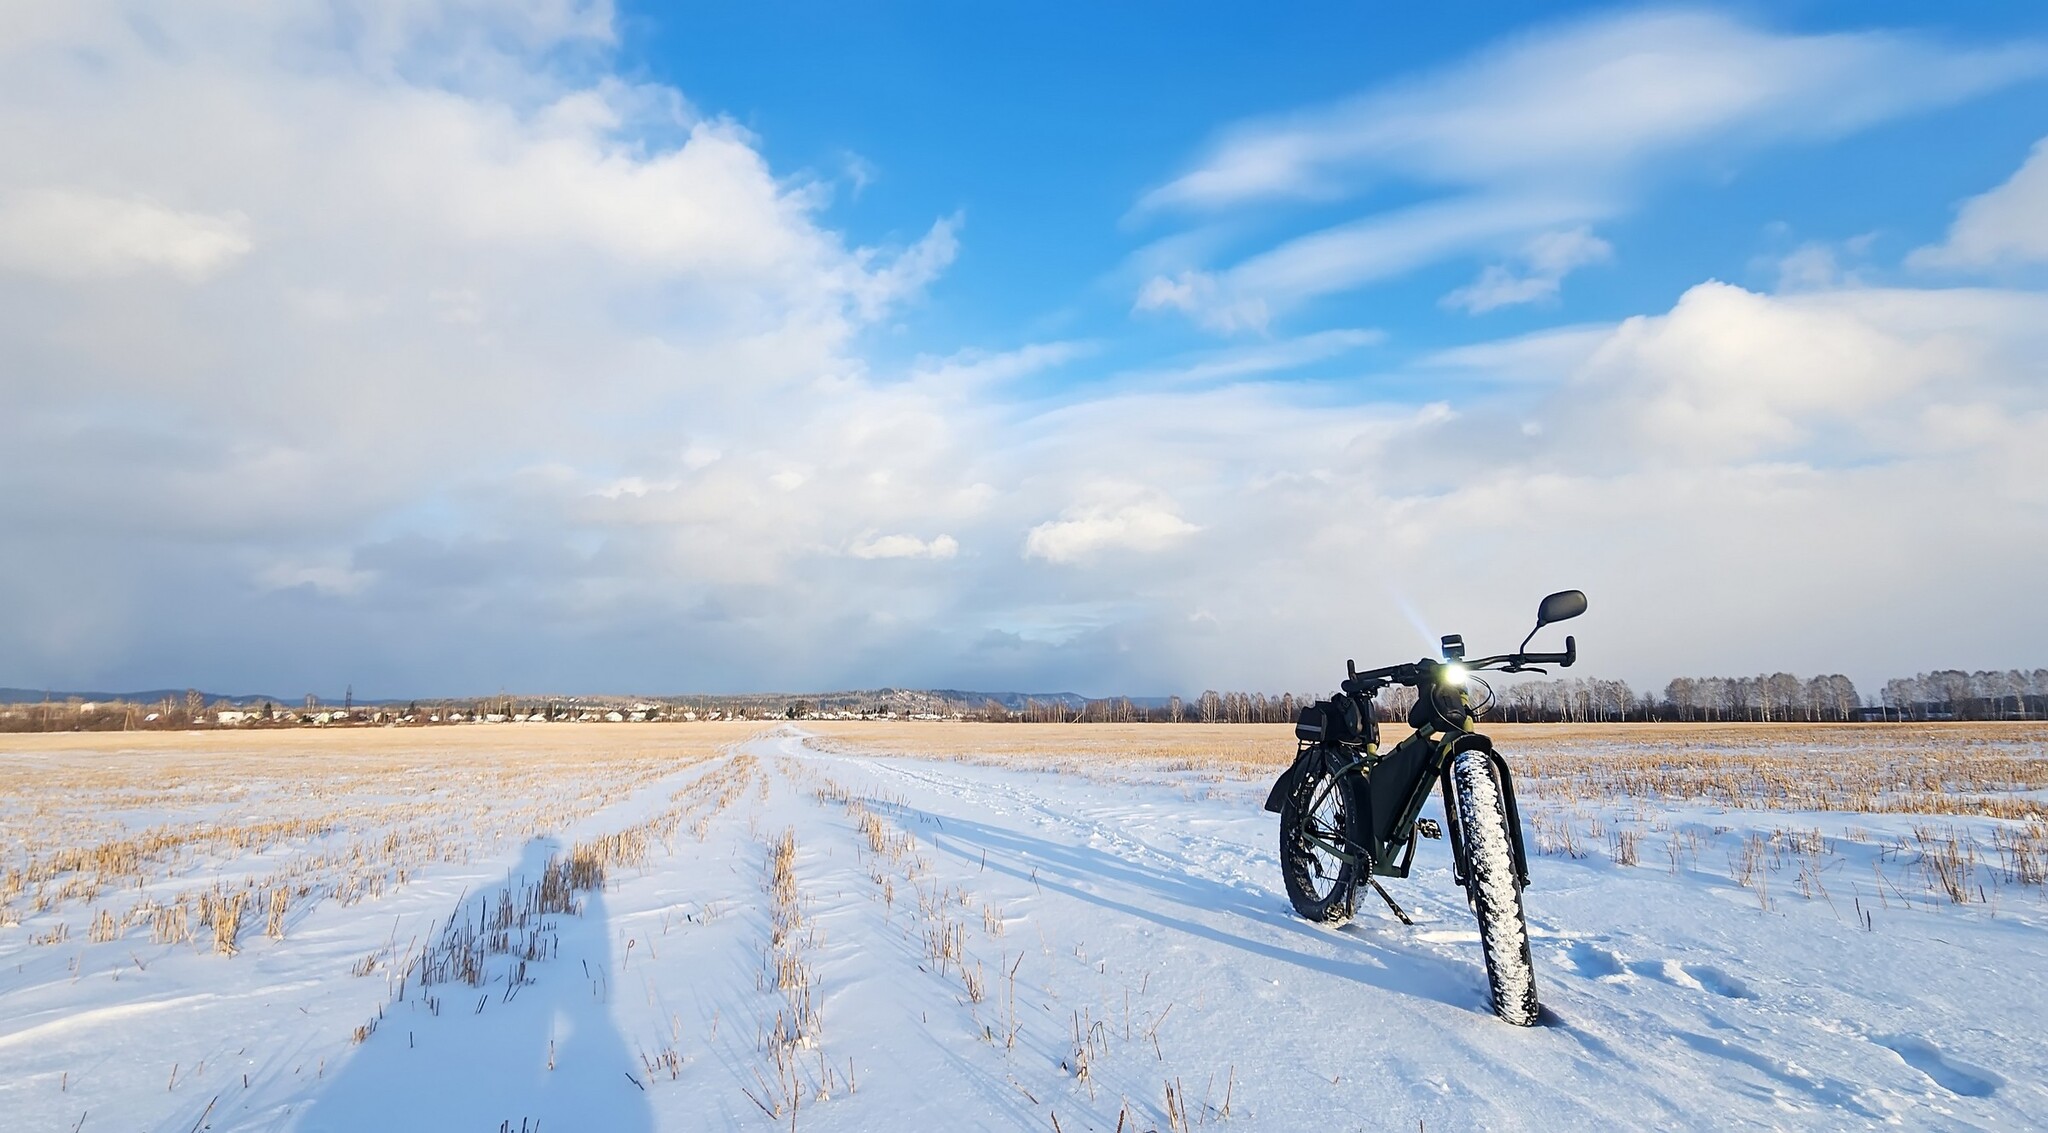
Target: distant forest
(1948, 694)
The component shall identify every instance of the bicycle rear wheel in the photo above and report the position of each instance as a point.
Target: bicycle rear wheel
(1323, 856)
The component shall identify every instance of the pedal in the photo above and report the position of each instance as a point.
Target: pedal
(1429, 828)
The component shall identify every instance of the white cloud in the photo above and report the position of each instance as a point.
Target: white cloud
(981, 370)
(1264, 358)
(1713, 474)
(1082, 533)
(1499, 287)
(1386, 245)
(905, 547)
(1588, 98)
(1534, 138)
(911, 271)
(1812, 265)
(2008, 224)
(1203, 296)
(71, 234)
(460, 283)
(858, 171)
(1731, 374)
(1545, 355)
(635, 486)
(1547, 259)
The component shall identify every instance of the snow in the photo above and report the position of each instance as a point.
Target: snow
(1055, 946)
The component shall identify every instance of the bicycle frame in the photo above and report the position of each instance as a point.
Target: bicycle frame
(1397, 783)
(1351, 812)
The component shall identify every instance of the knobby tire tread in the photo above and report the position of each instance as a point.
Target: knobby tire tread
(1297, 857)
(1496, 891)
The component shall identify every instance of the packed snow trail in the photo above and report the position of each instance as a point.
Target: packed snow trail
(958, 945)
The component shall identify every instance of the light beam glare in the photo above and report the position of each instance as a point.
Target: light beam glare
(1422, 631)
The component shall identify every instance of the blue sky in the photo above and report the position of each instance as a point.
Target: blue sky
(1043, 129)
(456, 345)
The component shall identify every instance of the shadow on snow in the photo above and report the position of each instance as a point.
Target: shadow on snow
(471, 1068)
(1074, 870)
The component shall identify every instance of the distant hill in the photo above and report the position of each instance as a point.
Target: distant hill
(1015, 700)
(153, 695)
(1011, 700)
(147, 696)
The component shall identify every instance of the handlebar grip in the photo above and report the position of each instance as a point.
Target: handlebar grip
(1564, 659)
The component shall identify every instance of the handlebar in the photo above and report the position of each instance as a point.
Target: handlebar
(1516, 662)
(1424, 671)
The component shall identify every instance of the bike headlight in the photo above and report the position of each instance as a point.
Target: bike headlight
(1454, 674)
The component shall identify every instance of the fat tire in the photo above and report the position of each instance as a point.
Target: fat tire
(1341, 802)
(1495, 889)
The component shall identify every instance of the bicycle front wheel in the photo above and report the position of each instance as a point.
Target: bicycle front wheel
(1496, 892)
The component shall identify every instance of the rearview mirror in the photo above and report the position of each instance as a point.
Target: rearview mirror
(1561, 606)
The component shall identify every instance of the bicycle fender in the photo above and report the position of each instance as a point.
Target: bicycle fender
(1284, 786)
(1473, 741)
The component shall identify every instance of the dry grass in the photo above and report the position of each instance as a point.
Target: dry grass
(1242, 749)
(1583, 786)
(1936, 769)
(1947, 769)
(787, 971)
(124, 824)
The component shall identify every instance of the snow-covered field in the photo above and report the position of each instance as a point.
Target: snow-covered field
(689, 928)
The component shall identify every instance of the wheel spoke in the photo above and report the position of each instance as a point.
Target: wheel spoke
(1318, 846)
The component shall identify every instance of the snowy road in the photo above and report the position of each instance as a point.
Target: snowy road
(1049, 951)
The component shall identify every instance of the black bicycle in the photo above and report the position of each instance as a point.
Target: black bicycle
(1350, 812)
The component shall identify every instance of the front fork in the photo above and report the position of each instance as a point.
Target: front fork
(1460, 872)
(1468, 740)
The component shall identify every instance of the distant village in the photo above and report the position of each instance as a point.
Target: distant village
(197, 710)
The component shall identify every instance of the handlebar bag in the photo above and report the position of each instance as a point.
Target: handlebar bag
(1342, 723)
(1326, 724)
(1308, 724)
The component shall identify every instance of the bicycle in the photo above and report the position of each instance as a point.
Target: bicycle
(1347, 807)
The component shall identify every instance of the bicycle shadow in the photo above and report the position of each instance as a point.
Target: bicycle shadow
(545, 1053)
(1072, 870)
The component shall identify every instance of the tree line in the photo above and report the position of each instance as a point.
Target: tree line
(1952, 694)
(1948, 694)
(1945, 694)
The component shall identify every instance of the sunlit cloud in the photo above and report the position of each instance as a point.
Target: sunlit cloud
(1082, 533)
(905, 547)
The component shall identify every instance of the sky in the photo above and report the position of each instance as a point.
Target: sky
(443, 347)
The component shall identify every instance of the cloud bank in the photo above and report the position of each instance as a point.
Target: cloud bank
(413, 346)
